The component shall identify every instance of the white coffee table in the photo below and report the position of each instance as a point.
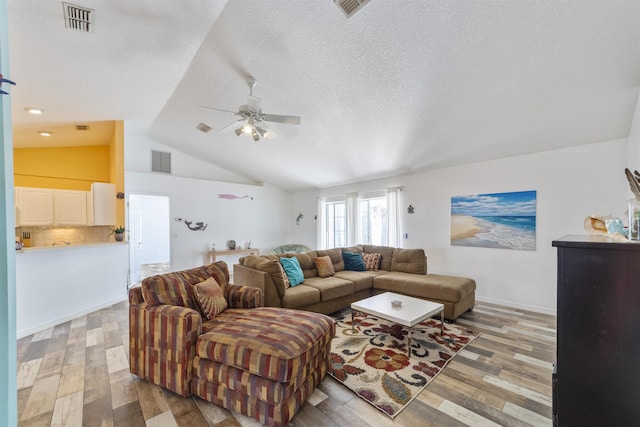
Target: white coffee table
(411, 312)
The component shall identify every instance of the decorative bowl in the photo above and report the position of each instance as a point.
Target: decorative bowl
(396, 303)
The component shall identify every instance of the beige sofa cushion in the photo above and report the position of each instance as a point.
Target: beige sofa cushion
(355, 249)
(361, 279)
(301, 296)
(409, 261)
(270, 266)
(427, 286)
(330, 287)
(307, 263)
(387, 254)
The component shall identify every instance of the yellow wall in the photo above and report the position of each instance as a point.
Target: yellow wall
(69, 168)
(116, 157)
(74, 168)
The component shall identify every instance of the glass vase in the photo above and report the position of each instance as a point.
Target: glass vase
(633, 230)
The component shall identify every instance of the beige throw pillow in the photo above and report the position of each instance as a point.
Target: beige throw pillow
(324, 266)
(210, 297)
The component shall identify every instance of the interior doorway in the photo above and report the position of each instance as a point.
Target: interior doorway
(149, 236)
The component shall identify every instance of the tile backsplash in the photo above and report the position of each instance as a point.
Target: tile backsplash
(47, 236)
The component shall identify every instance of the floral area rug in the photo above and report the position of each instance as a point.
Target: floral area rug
(373, 362)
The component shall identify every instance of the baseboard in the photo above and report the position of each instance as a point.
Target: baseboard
(56, 322)
(512, 304)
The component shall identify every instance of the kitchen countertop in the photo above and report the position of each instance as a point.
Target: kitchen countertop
(63, 246)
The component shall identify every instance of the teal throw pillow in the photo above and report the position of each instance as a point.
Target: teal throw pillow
(353, 261)
(293, 270)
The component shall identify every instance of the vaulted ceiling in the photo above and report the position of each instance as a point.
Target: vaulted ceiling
(401, 86)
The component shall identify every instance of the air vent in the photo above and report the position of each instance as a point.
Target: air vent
(82, 127)
(350, 7)
(78, 18)
(160, 161)
(203, 128)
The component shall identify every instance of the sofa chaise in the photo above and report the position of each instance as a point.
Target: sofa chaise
(402, 271)
(262, 362)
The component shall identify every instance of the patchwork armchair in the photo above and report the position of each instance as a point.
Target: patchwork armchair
(262, 362)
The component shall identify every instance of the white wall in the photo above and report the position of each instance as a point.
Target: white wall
(193, 187)
(137, 158)
(570, 183)
(633, 153)
(262, 220)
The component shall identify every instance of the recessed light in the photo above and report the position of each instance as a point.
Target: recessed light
(33, 110)
(45, 133)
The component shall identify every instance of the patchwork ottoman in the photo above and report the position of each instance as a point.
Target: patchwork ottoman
(263, 362)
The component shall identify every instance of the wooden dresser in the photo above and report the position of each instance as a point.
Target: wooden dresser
(597, 373)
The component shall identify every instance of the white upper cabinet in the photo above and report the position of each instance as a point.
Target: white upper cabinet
(34, 206)
(70, 207)
(102, 204)
(47, 207)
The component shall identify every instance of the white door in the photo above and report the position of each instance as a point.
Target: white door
(149, 236)
(135, 239)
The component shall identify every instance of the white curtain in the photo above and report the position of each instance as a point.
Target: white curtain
(352, 218)
(322, 224)
(393, 216)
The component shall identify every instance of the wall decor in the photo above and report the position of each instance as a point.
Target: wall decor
(498, 220)
(298, 218)
(233, 196)
(410, 210)
(199, 226)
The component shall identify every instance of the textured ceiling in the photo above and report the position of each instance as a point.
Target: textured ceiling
(402, 86)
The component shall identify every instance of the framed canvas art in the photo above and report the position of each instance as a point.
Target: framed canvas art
(498, 220)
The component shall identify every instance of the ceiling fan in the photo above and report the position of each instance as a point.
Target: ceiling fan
(252, 117)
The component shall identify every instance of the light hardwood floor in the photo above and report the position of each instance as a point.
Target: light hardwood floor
(76, 374)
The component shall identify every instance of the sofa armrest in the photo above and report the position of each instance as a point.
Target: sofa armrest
(248, 276)
(240, 296)
(162, 342)
(135, 295)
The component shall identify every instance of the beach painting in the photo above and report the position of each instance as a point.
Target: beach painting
(500, 220)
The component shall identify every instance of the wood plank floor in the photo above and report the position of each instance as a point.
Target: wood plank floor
(76, 374)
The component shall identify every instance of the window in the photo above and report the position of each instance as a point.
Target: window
(373, 221)
(335, 226)
(366, 218)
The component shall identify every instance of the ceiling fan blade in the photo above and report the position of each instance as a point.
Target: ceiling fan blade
(253, 103)
(276, 118)
(218, 109)
(232, 126)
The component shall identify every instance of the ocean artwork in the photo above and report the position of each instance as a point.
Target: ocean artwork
(500, 220)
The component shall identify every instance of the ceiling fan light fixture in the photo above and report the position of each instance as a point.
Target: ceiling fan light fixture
(261, 132)
(248, 129)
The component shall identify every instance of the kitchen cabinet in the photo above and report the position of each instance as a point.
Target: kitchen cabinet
(102, 204)
(48, 207)
(70, 207)
(34, 206)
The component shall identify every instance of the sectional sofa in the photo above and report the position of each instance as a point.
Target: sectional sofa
(402, 271)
